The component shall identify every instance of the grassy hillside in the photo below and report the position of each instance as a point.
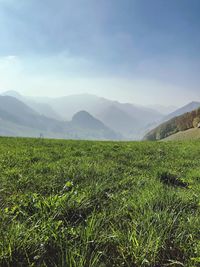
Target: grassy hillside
(190, 134)
(91, 204)
(178, 124)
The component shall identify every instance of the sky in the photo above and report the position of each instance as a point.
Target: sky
(140, 51)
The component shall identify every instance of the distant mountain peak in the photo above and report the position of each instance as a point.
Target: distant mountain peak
(187, 108)
(12, 93)
(193, 103)
(82, 114)
(84, 118)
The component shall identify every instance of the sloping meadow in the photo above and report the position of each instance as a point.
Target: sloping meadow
(99, 204)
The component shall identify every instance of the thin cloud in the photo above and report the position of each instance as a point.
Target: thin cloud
(118, 49)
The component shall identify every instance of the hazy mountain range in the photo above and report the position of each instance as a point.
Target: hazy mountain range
(187, 108)
(18, 119)
(77, 117)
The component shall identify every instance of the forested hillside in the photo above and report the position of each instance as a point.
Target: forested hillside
(181, 123)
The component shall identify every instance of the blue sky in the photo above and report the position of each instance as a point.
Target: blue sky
(141, 51)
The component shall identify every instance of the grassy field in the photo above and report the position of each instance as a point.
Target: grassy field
(99, 204)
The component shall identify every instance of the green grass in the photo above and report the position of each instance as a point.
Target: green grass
(99, 204)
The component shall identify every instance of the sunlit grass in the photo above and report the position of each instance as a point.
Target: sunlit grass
(91, 204)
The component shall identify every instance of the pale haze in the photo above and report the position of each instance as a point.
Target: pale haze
(139, 51)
